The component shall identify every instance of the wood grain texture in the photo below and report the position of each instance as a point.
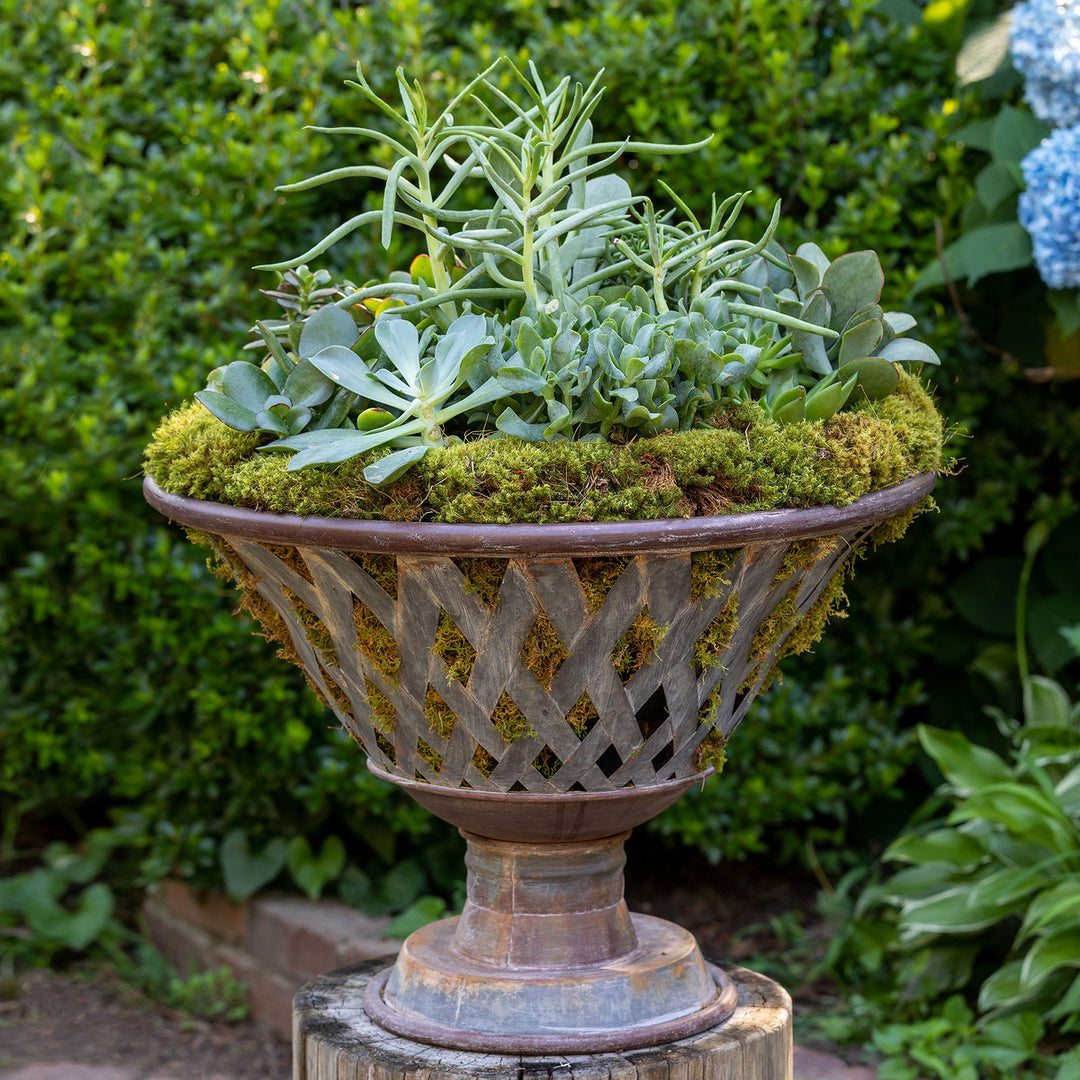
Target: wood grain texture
(333, 1039)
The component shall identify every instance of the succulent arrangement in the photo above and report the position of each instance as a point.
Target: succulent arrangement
(551, 304)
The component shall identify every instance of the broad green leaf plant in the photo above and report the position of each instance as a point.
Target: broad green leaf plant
(560, 306)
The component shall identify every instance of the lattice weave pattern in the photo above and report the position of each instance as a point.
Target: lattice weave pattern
(645, 728)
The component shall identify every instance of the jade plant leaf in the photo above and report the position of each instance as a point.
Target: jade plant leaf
(330, 325)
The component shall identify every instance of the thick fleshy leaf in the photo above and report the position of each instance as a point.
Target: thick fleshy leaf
(807, 275)
(520, 380)
(852, 281)
(306, 385)
(909, 351)
(269, 421)
(861, 340)
(227, 410)
(824, 401)
(813, 255)
(466, 333)
(330, 325)
(876, 378)
(247, 384)
(344, 367)
(512, 424)
(813, 346)
(393, 465)
(900, 322)
(401, 343)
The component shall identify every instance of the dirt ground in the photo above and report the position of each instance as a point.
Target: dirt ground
(98, 1020)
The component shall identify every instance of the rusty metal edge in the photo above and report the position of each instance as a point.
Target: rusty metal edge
(421, 1030)
(544, 817)
(581, 538)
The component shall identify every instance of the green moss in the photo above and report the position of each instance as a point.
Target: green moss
(743, 460)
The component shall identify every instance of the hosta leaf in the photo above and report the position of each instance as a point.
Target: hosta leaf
(1048, 954)
(1002, 988)
(330, 325)
(965, 765)
(227, 410)
(1059, 904)
(941, 845)
(909, 351)
(247, 384)
(948, 912)
(852, 281)
(1007, 889)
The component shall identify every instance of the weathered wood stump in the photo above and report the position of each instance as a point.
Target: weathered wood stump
(334, 1039)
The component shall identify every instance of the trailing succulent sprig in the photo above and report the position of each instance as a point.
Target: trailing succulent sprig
(561, 307)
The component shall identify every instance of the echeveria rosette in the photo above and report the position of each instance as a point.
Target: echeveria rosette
(1045, 45)
(1050, 207)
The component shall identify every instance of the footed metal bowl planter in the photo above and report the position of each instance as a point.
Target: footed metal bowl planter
(545, 688)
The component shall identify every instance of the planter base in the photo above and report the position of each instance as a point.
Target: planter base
(335, 1039)
(661, 991)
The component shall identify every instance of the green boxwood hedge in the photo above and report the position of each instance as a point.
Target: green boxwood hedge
(142, 145)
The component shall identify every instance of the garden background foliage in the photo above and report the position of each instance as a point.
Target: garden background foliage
(142, 145)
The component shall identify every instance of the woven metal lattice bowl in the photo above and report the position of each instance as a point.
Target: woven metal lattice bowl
(664, 655)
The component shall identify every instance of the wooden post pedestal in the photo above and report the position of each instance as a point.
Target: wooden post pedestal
(334, 1039)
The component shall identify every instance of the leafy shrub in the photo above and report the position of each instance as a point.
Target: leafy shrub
(142, 145)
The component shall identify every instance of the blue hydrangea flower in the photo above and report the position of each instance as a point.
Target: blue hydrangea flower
(1045, 43)
(1050, 207)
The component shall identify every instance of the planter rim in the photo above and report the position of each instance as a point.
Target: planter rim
(578, 538)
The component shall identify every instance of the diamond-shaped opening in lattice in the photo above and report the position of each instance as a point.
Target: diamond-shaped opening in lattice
(483, 578)
(382, 569)
(609, 762)
(543, 651)
(483, 761)
(314, 628)
(430, 755)
(383, 718)
(598, 577)
(653, 712)
(582, 717)
(292, 558)
(547, 763)
(453, 648)
(440, 716)
(387, 747)
(641, 642)
(375, 642)
(510, 722)
(710, 646)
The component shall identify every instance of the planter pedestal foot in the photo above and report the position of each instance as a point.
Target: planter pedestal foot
(545, 958)
(335, 1039)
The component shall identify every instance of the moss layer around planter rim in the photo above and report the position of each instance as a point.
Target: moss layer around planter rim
(744, 461)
